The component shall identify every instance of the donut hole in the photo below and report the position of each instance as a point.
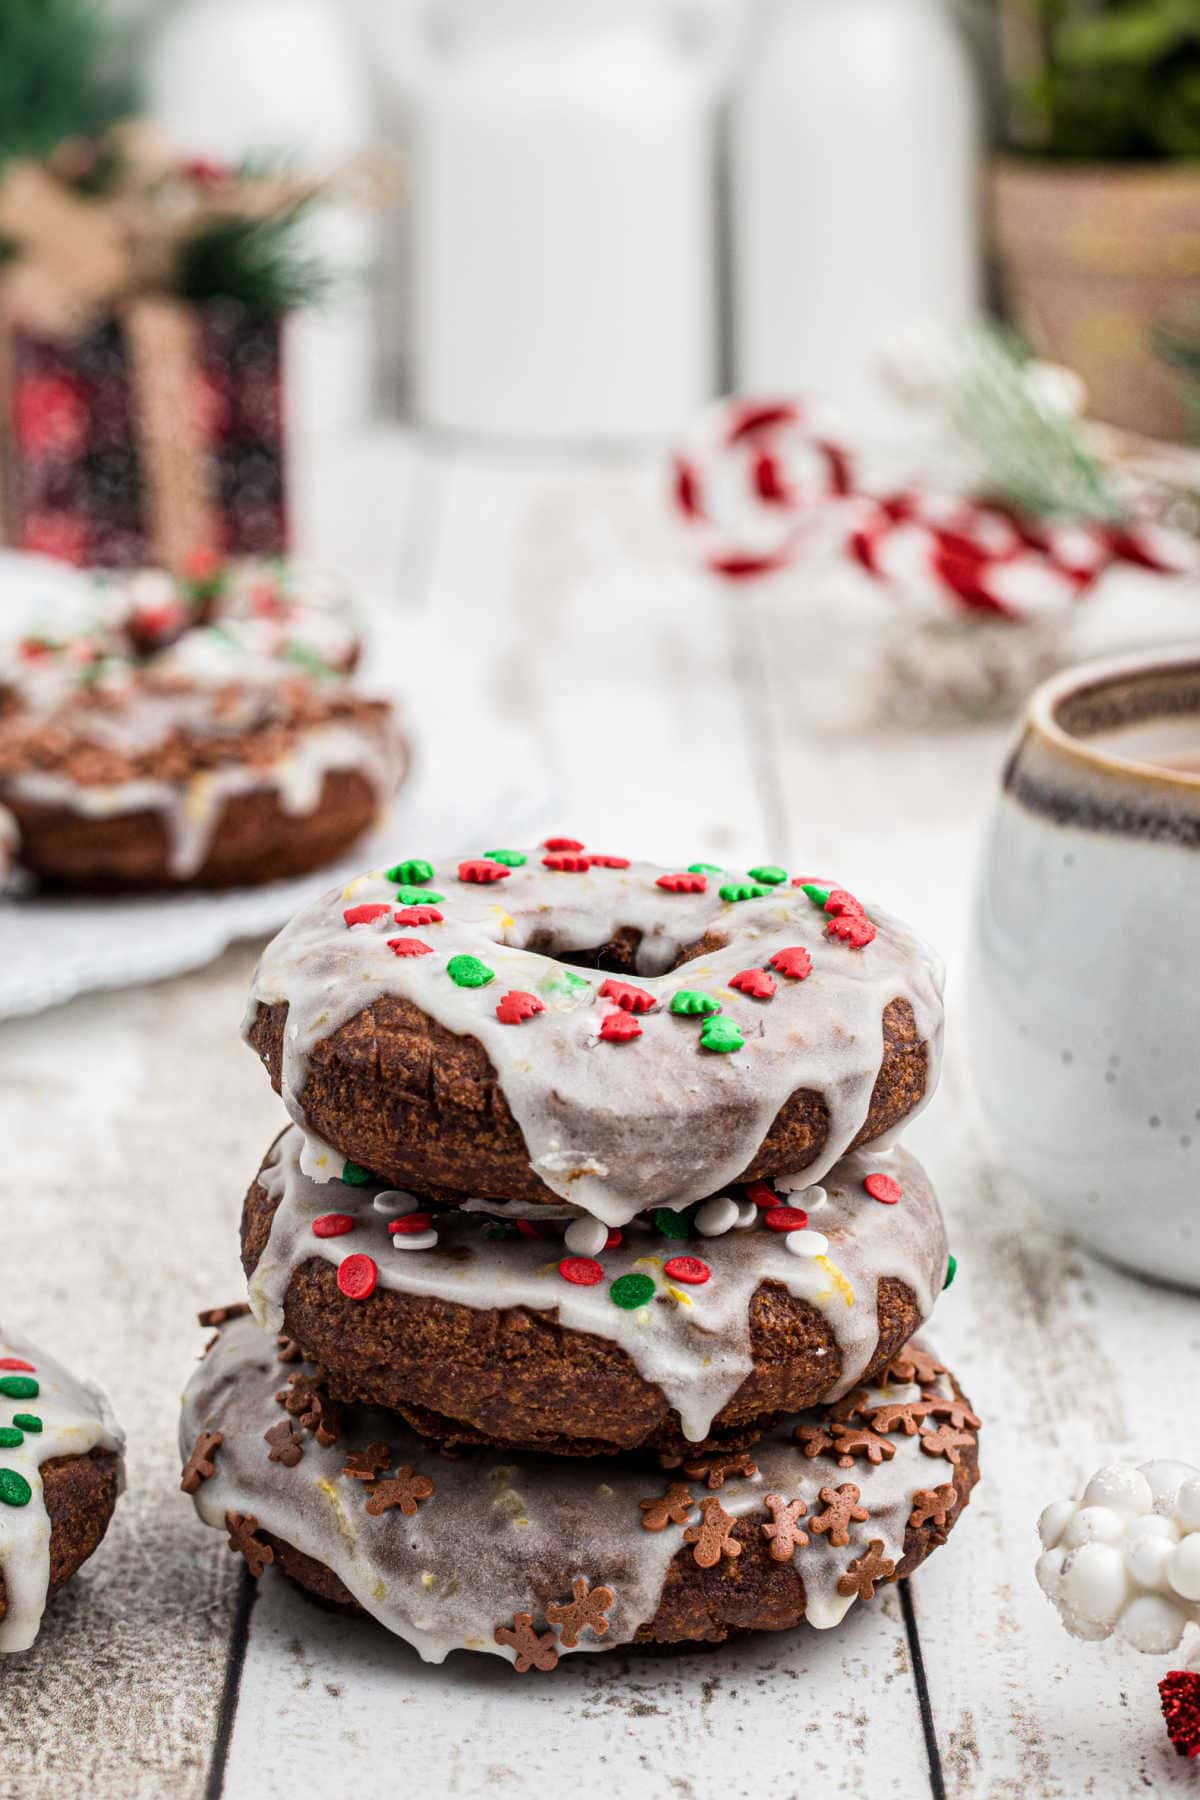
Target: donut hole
(623, 953)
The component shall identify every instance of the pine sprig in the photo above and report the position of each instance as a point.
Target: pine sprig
(62, 74)
(258, 263)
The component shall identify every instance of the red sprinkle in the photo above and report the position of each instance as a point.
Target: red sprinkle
(333, 1225)
(561, 843)
(884, 1189)
(357, 1276)
(1179, 1693)
(15, 1362)
(409, 947)
(515, 1007)
(483, 871)
(840, 901)
(794, 962)
(854, 929)
(619, 1027)
(755, 982)
(786, 1218)
(567, 863)
(582, 1270)
(761, 1194)
(417, 915)
(614, 1240)
(364, 915)
(685, 882)
(627, 997)
(529, 1229)
(688, 1269)
(608, 862)
(408, 1224)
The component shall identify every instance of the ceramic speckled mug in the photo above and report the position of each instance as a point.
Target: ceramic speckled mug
(1084, 1012)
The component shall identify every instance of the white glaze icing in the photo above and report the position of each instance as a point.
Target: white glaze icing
(501, 1536)
(617, 1127)
(76, 1418)
(694, 1342)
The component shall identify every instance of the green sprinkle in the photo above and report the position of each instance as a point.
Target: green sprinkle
(499, 1230)
(28, 1422)
(951, 1272)
(742, 890)
(308, 660)
(469, 972)
(10, 1437)
(705, 869)
(771, 873)
(692, 1004)
(672, 1224)
(564, 982)
(354, 1175)
(19, 1387)
(14, 1489)
(818, 895)
(720, 1034)
(412, 873)
(512, 859)
(631, 1291)
(411, 896)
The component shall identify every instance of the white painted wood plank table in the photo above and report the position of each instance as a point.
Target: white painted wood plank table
(678, 723)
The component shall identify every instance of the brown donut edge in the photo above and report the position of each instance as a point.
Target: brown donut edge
(514, 1377)
(80, 1494)
(423, 1108)
(697, 1605)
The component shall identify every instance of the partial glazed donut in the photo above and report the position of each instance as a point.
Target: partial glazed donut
(527, 1557)
(670, 1340)
(453, 1028)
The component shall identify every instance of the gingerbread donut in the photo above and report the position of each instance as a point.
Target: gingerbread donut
(536, 1558)
(60, 1475)
(686, 1331)
(204, 741)
(552, 1025)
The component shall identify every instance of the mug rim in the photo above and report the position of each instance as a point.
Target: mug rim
(1044, 702)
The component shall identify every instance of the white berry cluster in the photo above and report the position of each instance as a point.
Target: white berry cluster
(1126, 1557)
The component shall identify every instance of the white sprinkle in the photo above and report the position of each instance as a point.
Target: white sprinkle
(586, 1237)
(806, 1243)
(717, 1216)
(414, 1240)
(394, 1203)
(747, 1215)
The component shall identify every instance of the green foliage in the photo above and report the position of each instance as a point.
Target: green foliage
(1104, 80)
(257, 262)
(62, 74)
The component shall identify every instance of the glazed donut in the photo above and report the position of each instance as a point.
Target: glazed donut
(452, 1028)
(534, 1559)
(206, 747)
(60, 1475)
(680, 1337)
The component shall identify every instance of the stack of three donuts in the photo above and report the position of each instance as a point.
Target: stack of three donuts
(710, 1412)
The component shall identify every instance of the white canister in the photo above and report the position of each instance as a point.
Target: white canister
(1082, 1011)
(561, 185)
(854, 148)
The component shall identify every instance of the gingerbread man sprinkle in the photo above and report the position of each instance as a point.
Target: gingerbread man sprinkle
(932, 1504)
(365, 1465)
(866, 1571)
(533, 1650)
(588, 1611)
(712, 1539)
(242, 1528)
(199, 1465)
(287, 1444)
(784, 1532)
(841, 1510)
(671, 1508)
(403, 1489)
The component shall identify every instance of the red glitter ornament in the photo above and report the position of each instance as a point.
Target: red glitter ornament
(567, 863)
(786, 1218)
(417, 915)
(515, 1007)
(409, 947)
(884, 1189)
(628, 997)
(761, 1194)
(755, 982)
(582, 1271)
(408, 1224)
(332, 1225)
(17, 1362)
(357, 1275)
(561, 843)
(686, 881)
(483, 871)
(1180, 1695)
(619, 1028)
(854, 929)
(688, 1269)
(608, 862)
(364, 915)
(794, 962)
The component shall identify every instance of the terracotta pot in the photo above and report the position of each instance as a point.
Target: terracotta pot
(1094, 256)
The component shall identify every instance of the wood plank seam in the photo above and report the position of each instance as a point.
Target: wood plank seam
(239, 1639)
(937, 1781)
